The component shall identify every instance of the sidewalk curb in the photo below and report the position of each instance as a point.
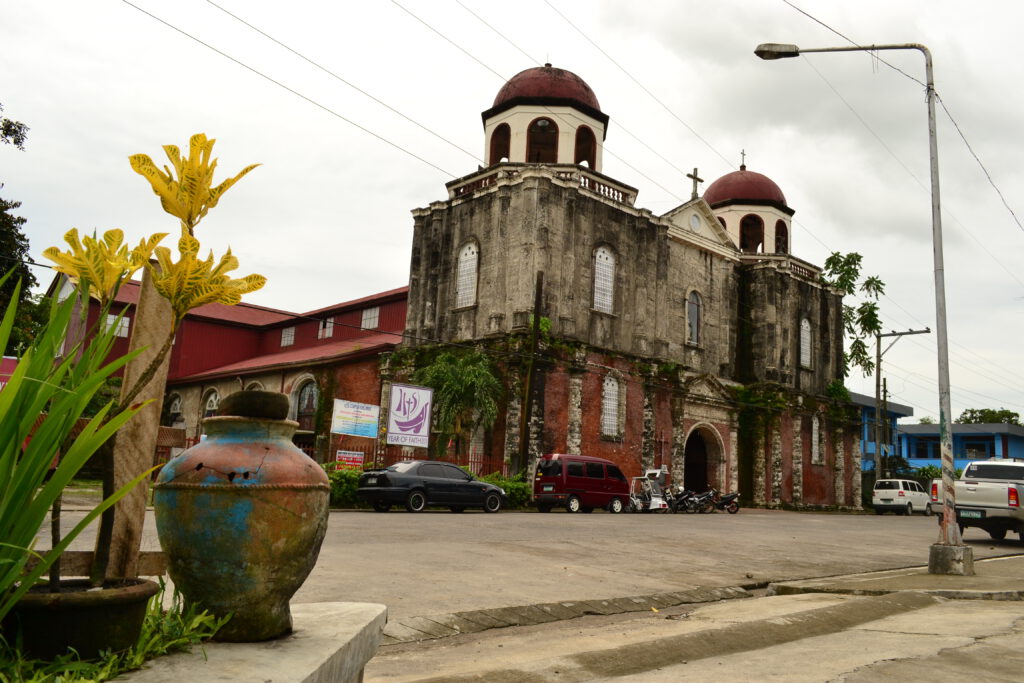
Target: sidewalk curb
(414, 629)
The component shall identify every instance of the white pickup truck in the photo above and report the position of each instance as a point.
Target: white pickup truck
(989, 495)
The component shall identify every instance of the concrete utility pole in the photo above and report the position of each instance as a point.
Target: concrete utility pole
(531, 375)
(879, 418)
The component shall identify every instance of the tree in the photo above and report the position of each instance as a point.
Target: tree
(12, 132)
(13, 255)
(466, 392)
(927, 420)
(974, 416)
(842, 271)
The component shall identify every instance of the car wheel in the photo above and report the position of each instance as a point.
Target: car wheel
(492, 503)
(457, 508)
(928, 510)
(910, 509)
(732, 508)
(573, 504)
(997, 534)
(690, 508)
(543, 508)
(416, 502)
(615, 507)
(381, 507)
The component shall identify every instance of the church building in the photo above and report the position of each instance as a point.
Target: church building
(692, 340)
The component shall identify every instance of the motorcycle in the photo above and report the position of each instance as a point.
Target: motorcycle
(729, 502)
(683, 499)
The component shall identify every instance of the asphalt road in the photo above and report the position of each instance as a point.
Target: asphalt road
(436, 561)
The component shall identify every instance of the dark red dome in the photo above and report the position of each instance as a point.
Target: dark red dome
(547, 83)
(744, 186)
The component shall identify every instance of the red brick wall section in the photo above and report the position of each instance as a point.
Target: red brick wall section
(556, 412)
(788, 457)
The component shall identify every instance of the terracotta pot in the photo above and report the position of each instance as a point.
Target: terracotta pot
(241, 516)
(88, 620)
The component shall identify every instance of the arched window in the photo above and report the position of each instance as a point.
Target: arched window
(751, 234)
(172, 415)
(500, 143)
(781, 238)
(211, 403)
(542, 142)
(604, 280)
(693, 318)
(610, 391)
(305, 407)
(586, 147)
(805, 343)
(722, 221)
(465, 286)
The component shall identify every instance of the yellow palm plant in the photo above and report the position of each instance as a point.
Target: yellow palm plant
(192, 282)
(192, 194)
(100, 266)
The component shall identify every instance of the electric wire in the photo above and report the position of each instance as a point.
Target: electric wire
(342, 80)
(289, 89)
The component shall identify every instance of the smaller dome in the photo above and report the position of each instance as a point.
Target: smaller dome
(744, 187)
(547, 83)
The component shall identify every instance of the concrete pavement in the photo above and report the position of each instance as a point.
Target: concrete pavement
(856, 627)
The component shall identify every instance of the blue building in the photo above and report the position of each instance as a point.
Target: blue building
(919, 443)
(893, 412)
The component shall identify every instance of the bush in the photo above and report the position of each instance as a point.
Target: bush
(344, 482)
(516, 490)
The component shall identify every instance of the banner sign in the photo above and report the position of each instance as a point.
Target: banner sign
(409, 415)
(355, 419)
(349, 459)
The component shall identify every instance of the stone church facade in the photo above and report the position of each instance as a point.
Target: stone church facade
(692, 340)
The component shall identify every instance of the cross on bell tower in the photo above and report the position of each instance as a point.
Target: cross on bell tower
(696, 179)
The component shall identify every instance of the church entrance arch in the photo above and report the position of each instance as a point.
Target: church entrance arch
(701, 457)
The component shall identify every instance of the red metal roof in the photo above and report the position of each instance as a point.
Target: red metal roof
(547, 82)
(301, 356)
(355, 303)
(743, 185)
(243, 313)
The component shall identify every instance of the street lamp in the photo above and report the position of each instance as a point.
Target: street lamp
(949, 555)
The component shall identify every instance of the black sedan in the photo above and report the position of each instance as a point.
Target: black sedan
(417, 484)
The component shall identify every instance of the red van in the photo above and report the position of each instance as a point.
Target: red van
(579, 483)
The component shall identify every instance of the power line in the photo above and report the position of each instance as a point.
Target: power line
(291, 90)
(339, 78)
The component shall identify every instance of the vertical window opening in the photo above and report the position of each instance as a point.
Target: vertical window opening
(465, 287)
(751, 234)
(781, 238)
(500, 144)
(604, 280)
(542, 142)
(610, 406)
(586, 147)
(693, 315)
(805, 343)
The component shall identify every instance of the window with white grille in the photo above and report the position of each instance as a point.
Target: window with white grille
(288, 336)
(693, 311)
(121, 323)
(211, 404)
(610, 407)
(465, 286)
(604, 280)
(326, 330)
(371, 318)
(805, 343)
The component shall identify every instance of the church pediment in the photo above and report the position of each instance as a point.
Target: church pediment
(695, 222)
(707, 388)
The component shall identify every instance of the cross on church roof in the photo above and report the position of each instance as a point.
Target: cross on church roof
(743, 160)
(696, 179)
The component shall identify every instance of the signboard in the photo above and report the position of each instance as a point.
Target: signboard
(355, 419)
(409, 415)
(349, 459)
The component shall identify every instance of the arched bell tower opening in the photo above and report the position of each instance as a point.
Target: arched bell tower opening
(751, 234)
(586, 147)
(542, 142)
(501, 140)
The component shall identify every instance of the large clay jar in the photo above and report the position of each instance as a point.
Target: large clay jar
(241, 516)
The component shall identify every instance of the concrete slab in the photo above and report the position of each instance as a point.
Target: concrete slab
(457, 623)
(562, 610)
(428, 626)
(603, 607)
(485, 617)
(403, 633)
(330, 642)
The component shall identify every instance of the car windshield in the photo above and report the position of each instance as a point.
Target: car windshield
(401, 467)
(887, 484)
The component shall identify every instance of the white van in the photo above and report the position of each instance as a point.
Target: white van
(901, 496)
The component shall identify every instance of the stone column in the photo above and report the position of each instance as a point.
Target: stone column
(647, 442)
(574, 429)
(776, 441)
(858, 458)
(798, 459)
(758, 462)
(839, 452)
(512, 412)
(733, 455)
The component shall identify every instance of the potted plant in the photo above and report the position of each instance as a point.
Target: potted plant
(39, 407)
(99, 267)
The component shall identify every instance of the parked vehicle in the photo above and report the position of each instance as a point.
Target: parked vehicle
(645, 494)
(419, 484)
(935, 493)
(730, 502)
(988, 496)
(579, 483)
(680, 499)
(901, 496)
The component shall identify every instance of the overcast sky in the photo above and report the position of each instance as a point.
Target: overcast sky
(326, 218)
